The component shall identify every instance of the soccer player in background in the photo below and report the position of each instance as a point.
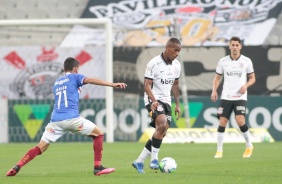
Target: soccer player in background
(65, 117)
(239, 75)
(161, 77)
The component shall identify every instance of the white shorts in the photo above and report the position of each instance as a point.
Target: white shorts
(55, 130)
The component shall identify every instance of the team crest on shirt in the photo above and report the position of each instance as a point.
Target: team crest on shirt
(241, 65)
(220, 110)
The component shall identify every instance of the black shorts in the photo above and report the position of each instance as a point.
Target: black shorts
(227, 106)
(164, 108)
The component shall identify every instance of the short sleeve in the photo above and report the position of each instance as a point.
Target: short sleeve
(149, 73)
(219, 68)
(250, 68)
(178, 71)
(79, 79)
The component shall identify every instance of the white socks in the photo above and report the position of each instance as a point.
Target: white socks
(246, 135)
(220, 138)
(155, 153)
(144, 154)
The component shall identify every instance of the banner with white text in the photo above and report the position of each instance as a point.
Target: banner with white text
(198, 23)
(203, 135)
(28, 118)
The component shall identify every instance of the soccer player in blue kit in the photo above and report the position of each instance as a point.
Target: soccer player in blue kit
(65, 117)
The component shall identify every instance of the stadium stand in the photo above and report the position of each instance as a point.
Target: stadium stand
(37, 9)
(40, 9)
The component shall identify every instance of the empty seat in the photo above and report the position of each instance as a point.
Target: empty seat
(17, 13)
(27, 5)
(8, 5)
(38, 13)
(3, 14)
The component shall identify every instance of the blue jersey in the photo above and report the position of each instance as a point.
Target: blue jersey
(66, 93)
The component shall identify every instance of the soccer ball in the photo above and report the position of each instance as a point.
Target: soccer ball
(265, 138)
(168, 165)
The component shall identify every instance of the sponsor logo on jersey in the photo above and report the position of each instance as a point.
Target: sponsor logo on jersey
(234, 96)
(60, 82)
(238, 74)
(167, 81)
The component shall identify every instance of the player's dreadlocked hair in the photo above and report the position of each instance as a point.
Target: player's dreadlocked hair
(70, 63)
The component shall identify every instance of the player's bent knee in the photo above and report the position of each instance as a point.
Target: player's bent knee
(161, 128)
(96, 131)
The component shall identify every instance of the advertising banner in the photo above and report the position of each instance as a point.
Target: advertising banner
(198, 23)
(208, 135)
(27, 118)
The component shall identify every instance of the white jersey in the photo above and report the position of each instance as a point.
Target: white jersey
(163, 76)
(235, 76)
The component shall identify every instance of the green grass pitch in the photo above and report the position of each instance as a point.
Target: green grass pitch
(67, 163)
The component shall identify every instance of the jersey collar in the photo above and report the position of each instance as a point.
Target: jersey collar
(235, 59)
(162, 56)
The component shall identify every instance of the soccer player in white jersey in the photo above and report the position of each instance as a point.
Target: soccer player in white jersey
(65, 117)
(239, 75)
(161, 77)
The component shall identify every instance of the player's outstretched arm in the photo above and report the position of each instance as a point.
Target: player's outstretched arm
(100, 82)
